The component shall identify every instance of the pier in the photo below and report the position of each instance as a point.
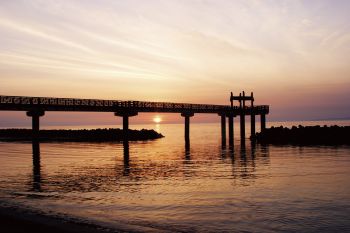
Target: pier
(35, 107)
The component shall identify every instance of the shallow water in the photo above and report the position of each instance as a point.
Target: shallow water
(161, 185)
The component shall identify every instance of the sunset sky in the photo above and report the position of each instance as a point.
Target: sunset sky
(294, 55)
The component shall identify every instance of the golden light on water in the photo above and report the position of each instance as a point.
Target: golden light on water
(157, 119)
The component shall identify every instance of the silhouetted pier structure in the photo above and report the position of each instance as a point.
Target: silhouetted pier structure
(37, 106)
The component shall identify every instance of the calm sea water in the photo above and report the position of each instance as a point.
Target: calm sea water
(161, 186)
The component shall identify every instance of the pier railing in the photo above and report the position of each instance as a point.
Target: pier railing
(25, 103)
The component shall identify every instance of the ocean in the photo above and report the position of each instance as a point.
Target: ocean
(160, 185)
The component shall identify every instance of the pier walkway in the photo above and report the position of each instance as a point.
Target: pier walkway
(36, 107)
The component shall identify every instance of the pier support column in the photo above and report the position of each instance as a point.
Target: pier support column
(252, 117)
(242, 117)
(252, 125)
(230, 129)
(187, 116)
(263, 122)
(242, 126)
(126, 115)
(223, 129)
(35, 115)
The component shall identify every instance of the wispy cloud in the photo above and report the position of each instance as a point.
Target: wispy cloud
(31, 31)
(155, 47)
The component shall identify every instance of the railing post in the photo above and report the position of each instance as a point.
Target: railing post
(126, 114)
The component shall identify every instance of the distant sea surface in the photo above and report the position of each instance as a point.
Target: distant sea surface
(162, 186)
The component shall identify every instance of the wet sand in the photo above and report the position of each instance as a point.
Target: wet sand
(17, 220)
(14, 220)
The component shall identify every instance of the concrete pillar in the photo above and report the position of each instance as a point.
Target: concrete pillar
(230, 130)
(242, 126)
(263, 122)
(223, 129)
(126, 115)
(242, 118)
(252, 117)
(240, 100)
(187, 116)
(126, 126)
(187, 128)
(35, 115)
(252, 124)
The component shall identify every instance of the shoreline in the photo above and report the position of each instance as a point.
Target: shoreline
(17, 219)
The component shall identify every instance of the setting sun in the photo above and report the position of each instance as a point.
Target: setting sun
(157, 119)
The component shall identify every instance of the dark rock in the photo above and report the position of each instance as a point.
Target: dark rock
(305, 135)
